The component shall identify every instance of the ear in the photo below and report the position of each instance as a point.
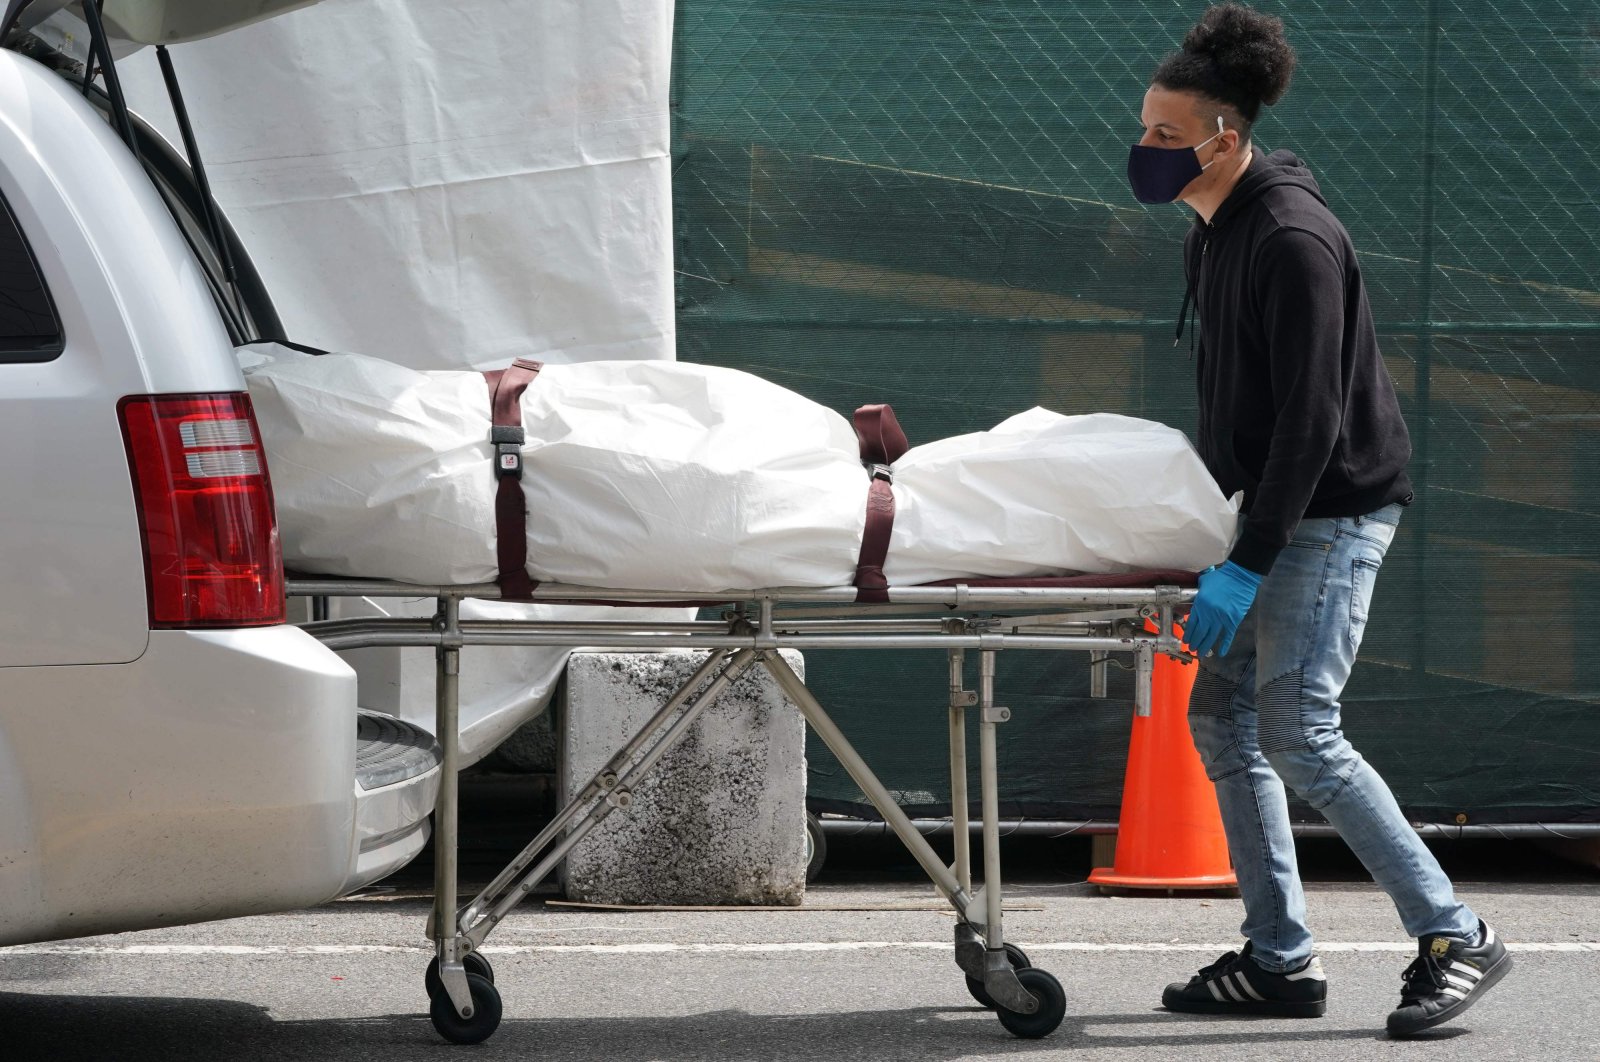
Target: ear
(1229, 143)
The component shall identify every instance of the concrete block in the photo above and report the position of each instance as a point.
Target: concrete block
(532, 748)
(720, 819)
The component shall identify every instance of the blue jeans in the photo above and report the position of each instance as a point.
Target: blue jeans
(1268, 713)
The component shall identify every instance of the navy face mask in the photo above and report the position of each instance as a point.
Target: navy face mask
(1158, 174)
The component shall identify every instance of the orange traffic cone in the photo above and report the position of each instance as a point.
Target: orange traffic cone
(1170, 834)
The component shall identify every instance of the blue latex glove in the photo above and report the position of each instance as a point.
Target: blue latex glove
(1225, 596)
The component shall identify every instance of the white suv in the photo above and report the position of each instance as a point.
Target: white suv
(171, 750)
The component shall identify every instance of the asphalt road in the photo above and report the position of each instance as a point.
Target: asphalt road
(344, 981)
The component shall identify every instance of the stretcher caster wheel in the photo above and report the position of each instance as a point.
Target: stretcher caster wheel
(816, 848)
(485, 1017)
(1052, 1006)
(1019, 961)
(474, 963)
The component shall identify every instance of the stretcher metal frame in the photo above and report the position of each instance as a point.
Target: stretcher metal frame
(754, 626)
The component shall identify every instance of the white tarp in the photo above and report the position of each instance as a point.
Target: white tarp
(677, 477)
(453, 184)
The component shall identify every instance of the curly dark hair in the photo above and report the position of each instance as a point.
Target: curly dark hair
(1235, 56)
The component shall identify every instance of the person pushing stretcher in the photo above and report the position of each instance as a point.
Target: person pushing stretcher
(1298, 413)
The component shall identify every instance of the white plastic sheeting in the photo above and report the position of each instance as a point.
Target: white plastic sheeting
(636, 474)
(453, 184)
(1042, 494)
(668, 476)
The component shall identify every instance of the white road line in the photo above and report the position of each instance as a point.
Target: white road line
(1582, 947)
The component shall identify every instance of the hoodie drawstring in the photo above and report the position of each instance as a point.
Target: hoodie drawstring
(1191, 287)
(1183, 312)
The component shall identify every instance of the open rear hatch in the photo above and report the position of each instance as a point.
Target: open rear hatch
(137, 23)
(85, 45)
(83, 42)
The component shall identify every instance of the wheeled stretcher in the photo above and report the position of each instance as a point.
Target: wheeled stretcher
(678, 481)
(1103, 615)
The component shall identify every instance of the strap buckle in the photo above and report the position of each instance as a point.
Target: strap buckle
(507, 442)
(883, 472)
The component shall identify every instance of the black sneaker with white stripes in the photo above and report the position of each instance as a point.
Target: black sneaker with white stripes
(1447, 976)
(1237, 984)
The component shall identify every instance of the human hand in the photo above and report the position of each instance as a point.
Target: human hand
(1226, 594)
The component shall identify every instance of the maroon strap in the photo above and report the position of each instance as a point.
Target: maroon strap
(878, 432)
(882, 443)
(870, 583)
(510, 505)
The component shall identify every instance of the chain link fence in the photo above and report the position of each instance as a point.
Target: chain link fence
(924, 202)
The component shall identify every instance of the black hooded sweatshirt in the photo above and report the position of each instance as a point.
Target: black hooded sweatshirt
(1296, 407)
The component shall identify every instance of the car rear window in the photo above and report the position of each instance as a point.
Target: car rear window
(29, 327)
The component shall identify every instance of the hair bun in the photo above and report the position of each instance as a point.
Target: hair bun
(1248, 49)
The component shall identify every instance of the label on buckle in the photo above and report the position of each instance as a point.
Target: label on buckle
(510, 462)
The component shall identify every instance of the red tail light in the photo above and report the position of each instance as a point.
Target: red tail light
(205, 509)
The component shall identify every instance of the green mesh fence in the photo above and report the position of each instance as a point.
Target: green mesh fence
(923, 202)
